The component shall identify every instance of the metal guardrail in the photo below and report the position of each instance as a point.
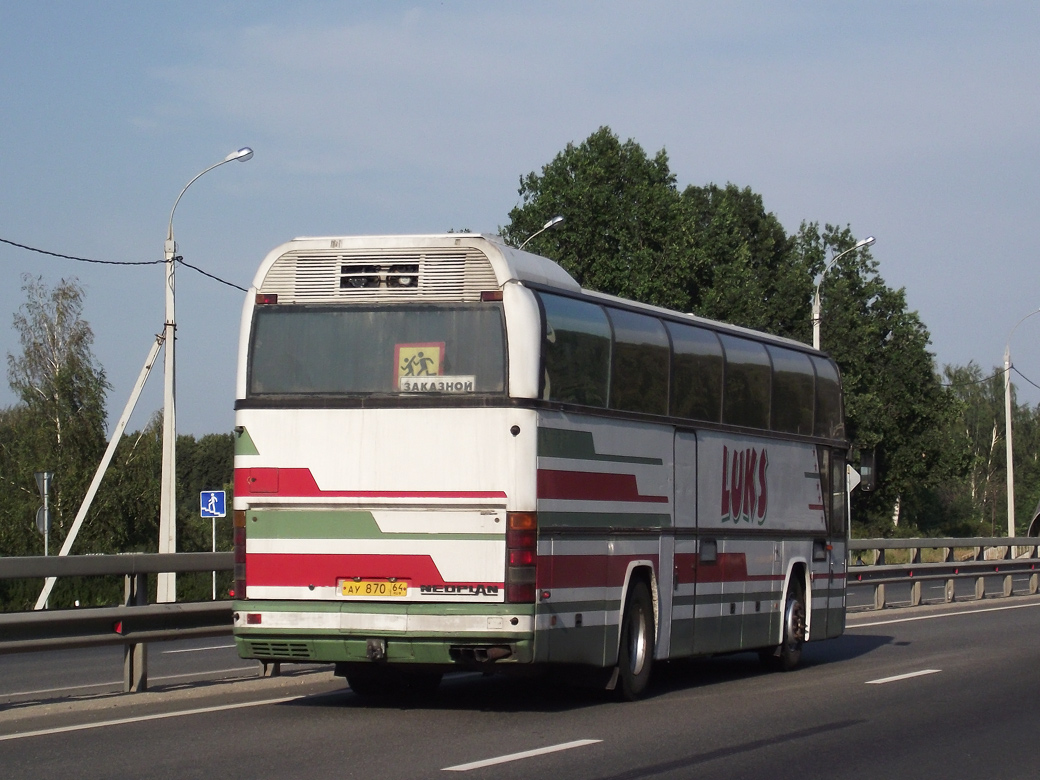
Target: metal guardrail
(976, 559)
(132, 624)
(135, 623)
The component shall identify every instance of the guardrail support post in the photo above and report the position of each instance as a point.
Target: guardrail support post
(915, 594)
(135, 656)
(1009, 586)
(951, 590)
(980, 588)
(879, 596)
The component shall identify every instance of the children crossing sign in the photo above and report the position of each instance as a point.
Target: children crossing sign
(213, 504)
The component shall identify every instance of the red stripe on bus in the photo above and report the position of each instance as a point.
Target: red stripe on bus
(592, 486)
(300, 483)
(586, 571)
(817, 507)
(300, 570)
(604, 571)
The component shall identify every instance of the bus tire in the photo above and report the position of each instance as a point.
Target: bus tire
(636, 650)
(787, 655)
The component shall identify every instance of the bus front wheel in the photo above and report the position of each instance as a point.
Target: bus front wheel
(636, 652)
(788, 654)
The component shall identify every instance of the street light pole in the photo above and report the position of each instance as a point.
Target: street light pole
(1007, 428)
(816, 297)
(547, 226)
(167, 581)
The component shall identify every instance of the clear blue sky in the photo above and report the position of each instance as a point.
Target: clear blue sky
(918, 123)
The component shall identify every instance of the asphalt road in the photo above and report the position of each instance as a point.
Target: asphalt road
(932, 692)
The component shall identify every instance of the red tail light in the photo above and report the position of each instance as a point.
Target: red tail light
(240, 553)
(521, 556)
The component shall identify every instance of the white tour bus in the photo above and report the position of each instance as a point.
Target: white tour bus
(449, 456)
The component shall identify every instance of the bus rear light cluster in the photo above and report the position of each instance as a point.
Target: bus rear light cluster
(240, 554)
(521, 556)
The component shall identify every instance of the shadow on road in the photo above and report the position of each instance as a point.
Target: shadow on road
(558, 690)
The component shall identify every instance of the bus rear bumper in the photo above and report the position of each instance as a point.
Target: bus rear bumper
(450, 635)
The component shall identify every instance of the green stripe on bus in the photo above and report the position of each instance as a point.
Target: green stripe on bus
(334, 524)
(579, 445)
(244, 444)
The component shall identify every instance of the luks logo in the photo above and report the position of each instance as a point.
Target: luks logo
(745, 497)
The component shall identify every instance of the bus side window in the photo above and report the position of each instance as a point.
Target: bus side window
(829, 422)
(794, 398)
(639, 379)
(748, 380)
(576, 351)
(832, 486)
(696, 388)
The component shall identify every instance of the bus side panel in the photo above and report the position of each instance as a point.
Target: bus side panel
(684, 567)
(604, 498)
(759, 505)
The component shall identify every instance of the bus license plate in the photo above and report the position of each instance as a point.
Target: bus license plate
(374, 589)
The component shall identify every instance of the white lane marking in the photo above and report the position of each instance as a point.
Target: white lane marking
(899, 677)
(943, 615)
(143, 718)
(198, 649)
(117, 683)
(518, 756)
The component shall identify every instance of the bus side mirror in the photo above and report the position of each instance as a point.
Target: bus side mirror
(867, 473)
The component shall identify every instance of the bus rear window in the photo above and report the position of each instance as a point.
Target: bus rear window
(361, 350)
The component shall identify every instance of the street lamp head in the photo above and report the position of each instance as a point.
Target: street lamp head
(241, 155)
(864, 242)
(547, 226)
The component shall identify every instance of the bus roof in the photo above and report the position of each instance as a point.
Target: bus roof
(508, 263)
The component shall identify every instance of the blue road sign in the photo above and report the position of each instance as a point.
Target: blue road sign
(212, 503)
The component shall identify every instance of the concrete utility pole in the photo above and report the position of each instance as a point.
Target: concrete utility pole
(167, 590)
(1007, 428)
(167, 582)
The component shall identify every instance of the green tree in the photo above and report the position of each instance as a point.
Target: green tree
(744, 268)
(622, 216)
(895, 402)
(59, 424)
(62, 388)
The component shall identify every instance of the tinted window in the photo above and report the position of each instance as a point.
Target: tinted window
(639, 378)
(747, 378)
(358, 350)
(832, 485)
(793, 391)
(696, 373)
(829, 416)
(576, 349)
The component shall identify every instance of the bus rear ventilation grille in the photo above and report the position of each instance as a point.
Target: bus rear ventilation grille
(380, 277)
(296, 650)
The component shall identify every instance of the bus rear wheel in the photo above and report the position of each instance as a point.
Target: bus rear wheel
(636, 651)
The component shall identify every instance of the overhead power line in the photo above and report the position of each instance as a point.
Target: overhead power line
(120, 262)
(81, 259)
(1030, 381)
(181, 260)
